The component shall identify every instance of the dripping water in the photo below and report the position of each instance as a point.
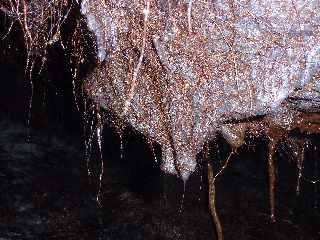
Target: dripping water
(201, 182)
(153, 152)
(182, 198)
(88, 136)
(30, 102)
(84, 124)
(74, 90)
(121, 145)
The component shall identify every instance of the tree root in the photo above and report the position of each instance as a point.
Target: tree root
(272, 180)
(212, 202)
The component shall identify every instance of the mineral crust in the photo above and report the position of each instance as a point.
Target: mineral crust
(177, 71)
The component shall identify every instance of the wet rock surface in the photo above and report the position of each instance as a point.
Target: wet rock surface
(47, 194)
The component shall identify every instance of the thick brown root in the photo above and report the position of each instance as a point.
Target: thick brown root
(212, 203)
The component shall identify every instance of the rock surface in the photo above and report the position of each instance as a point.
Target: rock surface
(177, 70)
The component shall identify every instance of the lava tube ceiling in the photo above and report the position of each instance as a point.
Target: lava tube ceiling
(182, 71)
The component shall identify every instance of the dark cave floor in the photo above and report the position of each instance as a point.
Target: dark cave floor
(45, 193)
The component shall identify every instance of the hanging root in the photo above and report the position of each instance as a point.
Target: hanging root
(212, 202)
(99, 141)
(189, 16)
(146, 12)
(272, 179)
(300, 162)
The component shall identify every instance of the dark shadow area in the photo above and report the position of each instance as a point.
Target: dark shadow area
(46, 193)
